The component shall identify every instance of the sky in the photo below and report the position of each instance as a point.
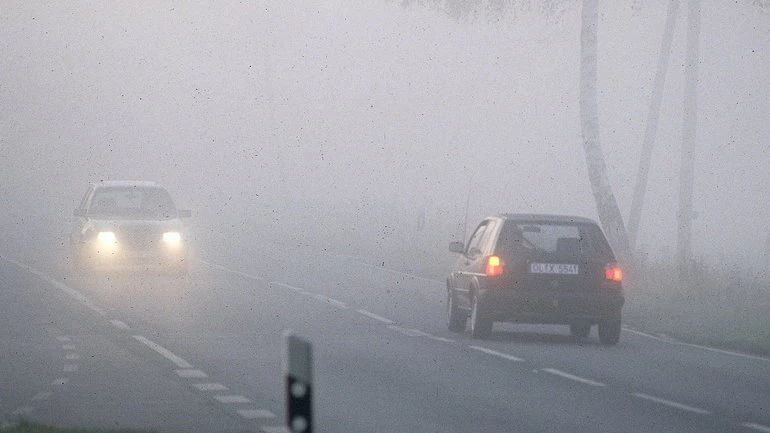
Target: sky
(350, 122)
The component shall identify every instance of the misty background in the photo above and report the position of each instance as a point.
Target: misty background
(362, 126)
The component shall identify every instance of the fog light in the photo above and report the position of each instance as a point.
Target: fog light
(172, 237)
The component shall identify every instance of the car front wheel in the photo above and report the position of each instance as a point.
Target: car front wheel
(457, 319)
(609, 331)
(480, 327)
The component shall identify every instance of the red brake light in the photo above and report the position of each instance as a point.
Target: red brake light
(613, 273)
(494, 266)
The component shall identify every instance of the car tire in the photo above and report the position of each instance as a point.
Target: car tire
(480, 327)
(458, 320)
(579, 330)
(609, 331)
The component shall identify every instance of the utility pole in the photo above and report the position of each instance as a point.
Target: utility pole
(689, 135)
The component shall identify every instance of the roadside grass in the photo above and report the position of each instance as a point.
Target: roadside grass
(25, 426)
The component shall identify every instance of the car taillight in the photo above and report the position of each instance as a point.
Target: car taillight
(494, 266)
(613, 273)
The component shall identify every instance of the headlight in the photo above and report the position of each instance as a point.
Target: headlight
(172, 237)
(106, 237)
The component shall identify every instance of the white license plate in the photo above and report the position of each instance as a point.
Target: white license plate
(553, 268)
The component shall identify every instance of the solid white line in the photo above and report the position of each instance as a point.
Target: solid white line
(68, 347)
(119, 324)
(671, 403)
(376, 317)
(40, 396)
(285, 286)
(179, 362)
(69, 368)
(255, 413)
(58, 284)
(757, 427)
(191, 374)
(60, 381)
(210, 387)
(231, 399)
(72, 357)
(698, 346)
(572, 377)
(496, 353)
(232, 271)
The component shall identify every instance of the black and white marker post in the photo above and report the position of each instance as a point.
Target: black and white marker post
(298, 375)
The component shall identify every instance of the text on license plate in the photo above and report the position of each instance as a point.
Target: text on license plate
(553, 268)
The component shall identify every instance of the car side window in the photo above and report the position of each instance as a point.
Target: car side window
(475, 241)
(487, 240)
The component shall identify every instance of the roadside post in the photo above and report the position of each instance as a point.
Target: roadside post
(298, 377)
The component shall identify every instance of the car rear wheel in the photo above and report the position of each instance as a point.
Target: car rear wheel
(480, 327)
(579, 330)
(457, 319)
(609, 331)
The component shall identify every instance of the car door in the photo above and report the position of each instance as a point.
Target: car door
(467, 265)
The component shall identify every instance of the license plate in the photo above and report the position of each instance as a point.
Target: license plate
(553, 268)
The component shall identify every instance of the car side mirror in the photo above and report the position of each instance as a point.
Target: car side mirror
(79, 213)
(456, 247)
(186, 213)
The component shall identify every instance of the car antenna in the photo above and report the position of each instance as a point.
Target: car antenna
(467, 208)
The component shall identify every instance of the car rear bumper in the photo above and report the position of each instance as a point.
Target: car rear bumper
(549, 307)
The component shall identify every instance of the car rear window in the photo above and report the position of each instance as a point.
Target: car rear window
(562, 239)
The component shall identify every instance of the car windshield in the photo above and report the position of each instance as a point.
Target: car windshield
(562, 239)
(132, 202)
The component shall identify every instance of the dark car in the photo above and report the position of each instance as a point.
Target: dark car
(549, 269)
(129, 224)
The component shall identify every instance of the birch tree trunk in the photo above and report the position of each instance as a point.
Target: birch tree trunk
(651, 129)
(606, 205)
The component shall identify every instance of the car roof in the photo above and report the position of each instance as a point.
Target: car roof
(126, 183)
(546, 218)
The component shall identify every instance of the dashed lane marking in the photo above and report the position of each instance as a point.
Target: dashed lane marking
(285, 286)
(210, 386)
(41, 396)
(69, 347)
(255, 413)
(189, 373)
(60, 381)
(572, 377)
(404, 331)
(671, 403)
(179, 362)
(275, 429)
(231, 399)
(232, 271)
(328, 300)
(496, 353)
(119, 324)
(63, 339)
(69, 368)
(376, 317)
(72, 357)
(757, 427)
(442, 339)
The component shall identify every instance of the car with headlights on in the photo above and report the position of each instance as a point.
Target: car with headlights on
(127, 225)
(545, 269)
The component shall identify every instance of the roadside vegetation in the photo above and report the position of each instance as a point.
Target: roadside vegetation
(25, 426)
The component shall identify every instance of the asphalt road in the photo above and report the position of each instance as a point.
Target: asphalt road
(203, 353)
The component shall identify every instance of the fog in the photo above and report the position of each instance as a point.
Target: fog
(364, 126)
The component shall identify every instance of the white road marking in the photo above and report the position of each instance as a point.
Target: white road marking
(285, 286)
(119, 324)
(275, 429)
(210, 386)
(255, 413)
(231, 399)
(61, 286)
(757, 427)
(376, 317)
(232, 271)
(179, 362)
(69, 347)
(671, 403)
(60, 381)
(332, 301)
(572, 377)
(496, 353)
(69, 368)
(72, 357)
(698, 346)
(442, 339)
(191, 374)
(404, 331)
(381, 268)
(41, 396)
(63, 339)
